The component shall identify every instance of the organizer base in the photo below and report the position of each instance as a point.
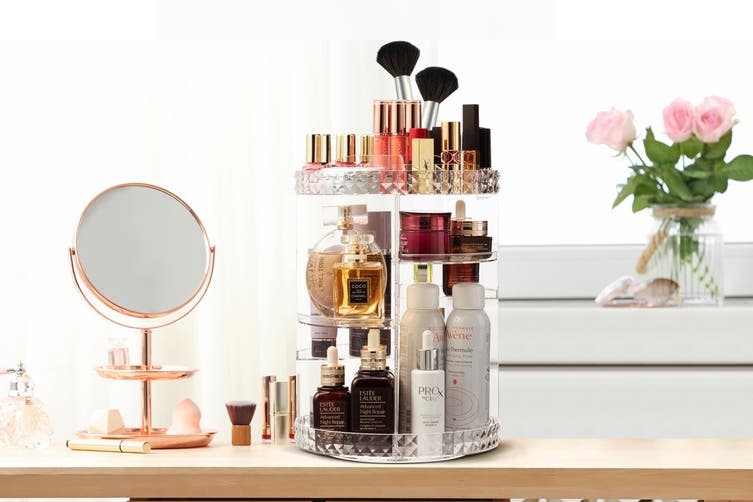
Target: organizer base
(396, 448)
(159, 439)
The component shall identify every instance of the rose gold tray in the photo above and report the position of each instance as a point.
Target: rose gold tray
(159, 439)
(138, 372)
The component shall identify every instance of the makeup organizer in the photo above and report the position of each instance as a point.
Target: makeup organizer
(386, 194)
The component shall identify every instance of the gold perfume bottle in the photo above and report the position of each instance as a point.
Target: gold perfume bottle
(359, 284)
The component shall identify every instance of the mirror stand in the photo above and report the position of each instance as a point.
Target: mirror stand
(146, 372)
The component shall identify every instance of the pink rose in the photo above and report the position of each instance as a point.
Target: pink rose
(612, 128)
(713, 118)
(678, 120)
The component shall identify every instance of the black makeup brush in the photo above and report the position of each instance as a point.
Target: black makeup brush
(241, 413)
(435, 84)
(399, 59)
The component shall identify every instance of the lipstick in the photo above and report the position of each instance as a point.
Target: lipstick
(471, 139)
(450, 156)
(485, 148)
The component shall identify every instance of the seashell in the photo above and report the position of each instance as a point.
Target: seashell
(614, 290)
(658, 292)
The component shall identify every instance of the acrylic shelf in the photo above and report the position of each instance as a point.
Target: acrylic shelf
(158, 439)
(331, 322)
(396, 448)
(449, 258)
(144, 373)
(371, 180)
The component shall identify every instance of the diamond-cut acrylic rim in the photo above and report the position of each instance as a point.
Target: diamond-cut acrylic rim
(370, 180)
(396, 448)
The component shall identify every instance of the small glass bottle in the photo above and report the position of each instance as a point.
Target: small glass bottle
(24, 421)
(330, 249)
(359, 284)
(373, 391)
(332, 399)
(468, 237)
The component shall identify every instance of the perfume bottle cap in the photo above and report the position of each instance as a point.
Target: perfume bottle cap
(345, 216)
(422, 272)
(21, 384)
(428, 356)
(358, 247)
(346, 148)
(318, 149)
(468, 296)
(423, 296)
(332, 373)
(374, 355)
(461, 225)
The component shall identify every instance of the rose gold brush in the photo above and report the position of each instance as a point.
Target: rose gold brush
(241, 413)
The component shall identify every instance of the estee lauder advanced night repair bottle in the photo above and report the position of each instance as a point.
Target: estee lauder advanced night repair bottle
(467, 237)
(332, 400)
(359, 284)
(373, 391)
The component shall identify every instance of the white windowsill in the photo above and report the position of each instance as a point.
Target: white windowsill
(578, 332)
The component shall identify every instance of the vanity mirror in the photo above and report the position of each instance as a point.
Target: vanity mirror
(141, 258)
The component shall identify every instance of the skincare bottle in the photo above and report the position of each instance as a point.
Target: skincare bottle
(421, 315)
(330, 249)
(467, 237)
(359, 284)
(467, 363)
(279, 412)
(332, 399)
(427, 390)
(373, 391)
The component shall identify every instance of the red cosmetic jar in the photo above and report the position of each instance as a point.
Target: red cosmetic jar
(424, 234)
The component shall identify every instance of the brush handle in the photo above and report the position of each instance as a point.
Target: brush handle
(429, 114)
(241, 435)
(403, 87)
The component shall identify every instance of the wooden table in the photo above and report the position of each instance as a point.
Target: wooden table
(577, 468)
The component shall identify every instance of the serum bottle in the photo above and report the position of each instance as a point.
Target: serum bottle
(373, 391)
(427, 390)
(332, 399)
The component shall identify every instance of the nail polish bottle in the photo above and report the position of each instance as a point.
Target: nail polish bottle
(468, 237)
(318, 151)
(380, 142)
(398, 140)
(346, 150)
(367, 148)
(331, 403)
(373, 391)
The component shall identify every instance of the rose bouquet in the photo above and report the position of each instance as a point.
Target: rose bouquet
(678, 180)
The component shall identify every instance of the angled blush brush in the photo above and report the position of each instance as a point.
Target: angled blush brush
(241, 413)
(435, 84)
(399, 59)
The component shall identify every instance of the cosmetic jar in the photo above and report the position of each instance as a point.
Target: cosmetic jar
(424, 233)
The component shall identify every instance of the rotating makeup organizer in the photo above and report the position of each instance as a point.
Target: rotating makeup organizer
(142, 259)
(410, 215)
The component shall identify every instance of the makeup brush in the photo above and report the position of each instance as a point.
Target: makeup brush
(399, 59)
(241, 413)
(435, 84)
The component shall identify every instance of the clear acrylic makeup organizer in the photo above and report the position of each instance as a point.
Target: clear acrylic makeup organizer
(391, 191)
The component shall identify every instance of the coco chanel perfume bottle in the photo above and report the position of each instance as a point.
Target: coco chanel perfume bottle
(359, 284)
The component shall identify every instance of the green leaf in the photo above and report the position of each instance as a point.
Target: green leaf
(676, 184)
(626, 190)
(641, 202)
(719, 149)
(704, 188)
(658, 152)
(719, 182)
(739, 169)
(697, 171)
(691, 147)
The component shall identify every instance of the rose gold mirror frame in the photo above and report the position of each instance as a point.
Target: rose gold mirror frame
(145, 322)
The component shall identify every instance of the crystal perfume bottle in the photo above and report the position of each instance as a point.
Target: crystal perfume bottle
(24, 421)
(359, 284)
(330, 250)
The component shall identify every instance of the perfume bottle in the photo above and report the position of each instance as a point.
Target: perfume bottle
(24, 421)
(359, 284)
(468, 237)
(373, 391)
(329, 251)
(332, 399)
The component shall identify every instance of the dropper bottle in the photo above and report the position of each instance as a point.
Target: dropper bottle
(373, 391)
(332, 399)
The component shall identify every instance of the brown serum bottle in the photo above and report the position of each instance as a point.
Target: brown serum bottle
(332, 399)
(373, 391)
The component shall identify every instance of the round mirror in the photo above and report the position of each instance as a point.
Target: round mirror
(142, 252)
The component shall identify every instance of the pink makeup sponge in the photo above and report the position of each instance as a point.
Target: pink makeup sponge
(186, 418)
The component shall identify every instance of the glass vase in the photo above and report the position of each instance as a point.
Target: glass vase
(686, 246)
